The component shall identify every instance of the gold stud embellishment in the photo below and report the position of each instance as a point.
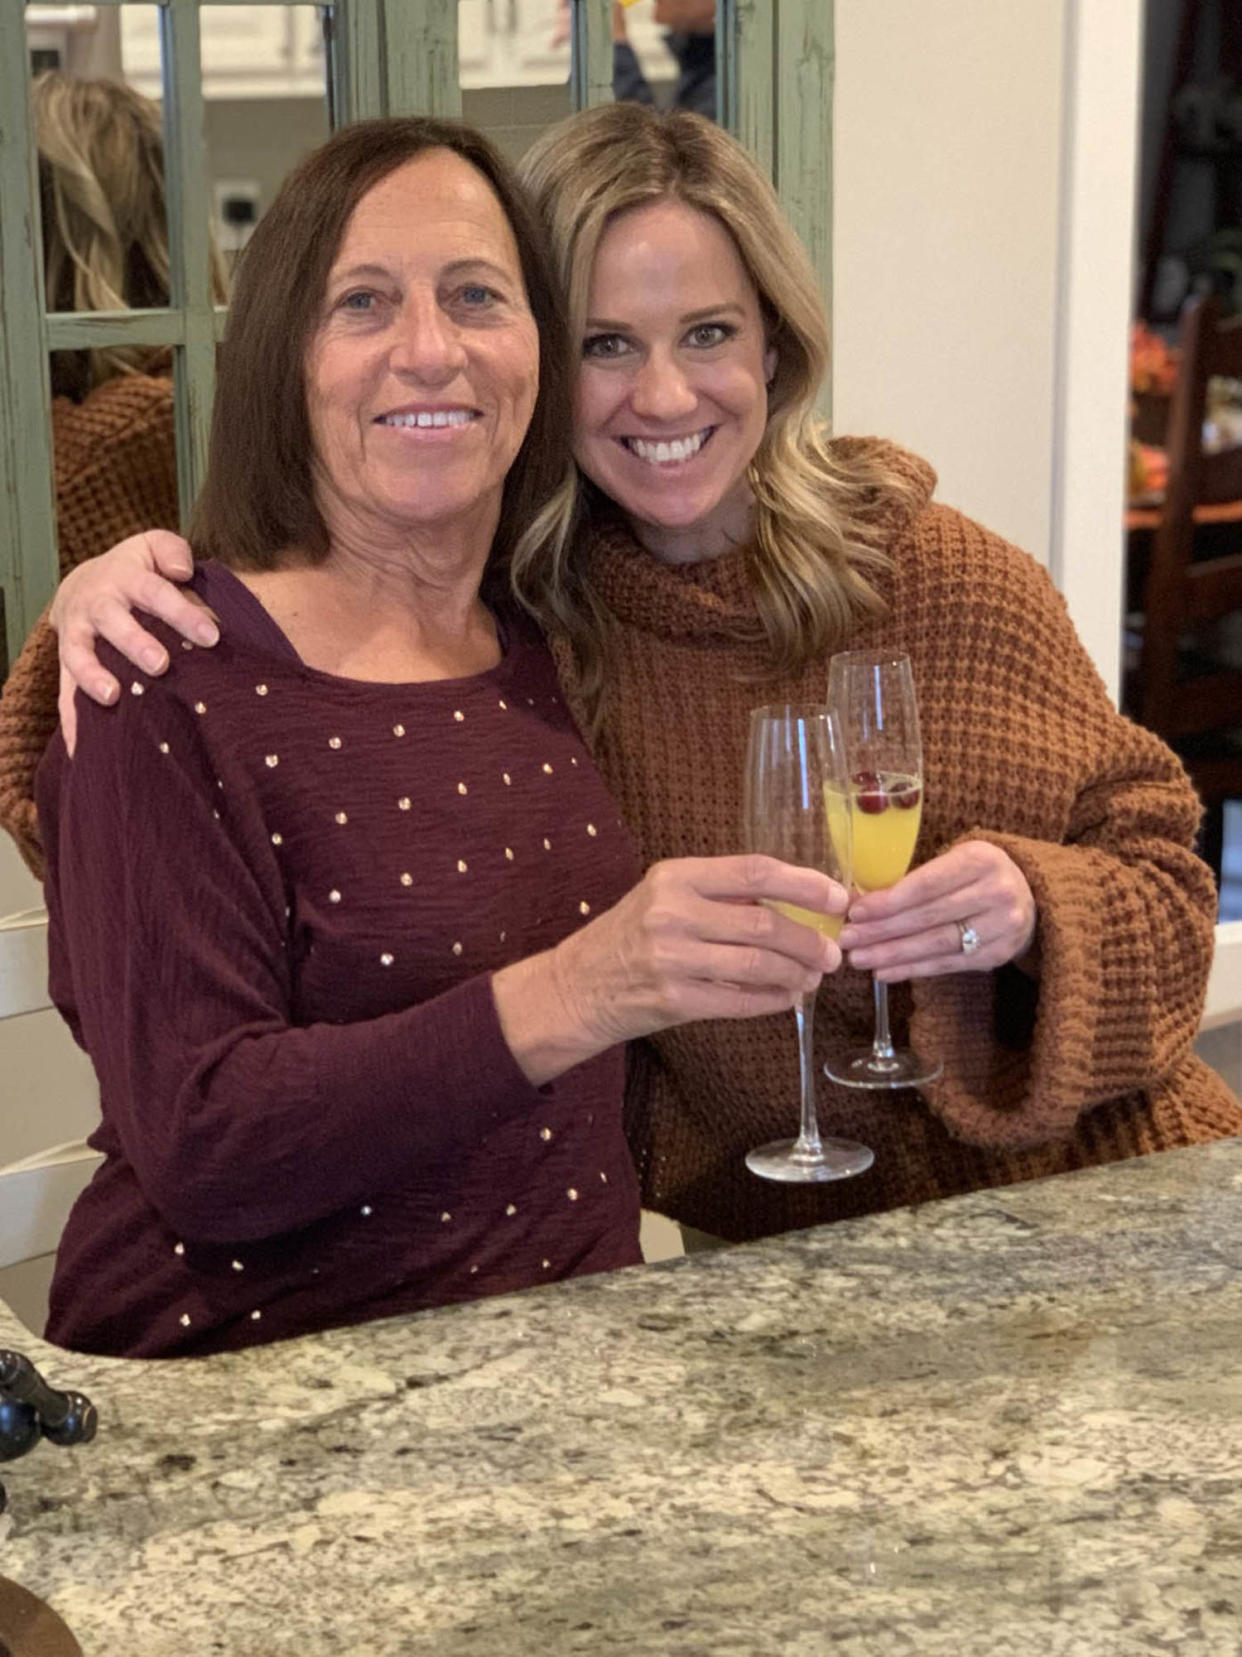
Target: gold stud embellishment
(461, 865)
(407, 879)
(260, 690)
(164, 748)
(462, 789)
(386, 959)
(340, 818)
(334, 742)
(200, 707)
(456, 949)
(271, 761)
(334, 896)
(584, 908)
(278, 840)
(398, 730)
(403, 804)
(137, 689)
(592, 830)
(458, 715)
(572, 1194)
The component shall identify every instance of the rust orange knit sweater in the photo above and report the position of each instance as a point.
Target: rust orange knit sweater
(115, 473)
(1022, 747)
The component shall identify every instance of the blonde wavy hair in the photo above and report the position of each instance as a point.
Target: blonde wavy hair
(105, 231)
(815, 540)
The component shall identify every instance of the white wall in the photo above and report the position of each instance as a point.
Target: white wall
(947, 166)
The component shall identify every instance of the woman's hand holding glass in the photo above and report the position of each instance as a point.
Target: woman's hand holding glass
(914, 929)
(697, 938)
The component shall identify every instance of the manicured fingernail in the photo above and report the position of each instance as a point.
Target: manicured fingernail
(811, 982)
(182, 568)
(155, 661)
(105, 692)
(206, 632)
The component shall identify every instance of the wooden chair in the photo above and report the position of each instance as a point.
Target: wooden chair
(50, 1102)
(1198, 714)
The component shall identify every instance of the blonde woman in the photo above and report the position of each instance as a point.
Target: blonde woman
(105, 248)
(714, 550)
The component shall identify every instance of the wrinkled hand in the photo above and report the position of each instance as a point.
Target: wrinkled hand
(95, 601)
(910, 930)
(694, 940)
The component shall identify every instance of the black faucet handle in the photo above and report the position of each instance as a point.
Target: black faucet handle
(79, 1423)
(63, 1417)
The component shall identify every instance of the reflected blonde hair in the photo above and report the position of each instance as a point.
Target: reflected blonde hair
(815, 541)
(105, 231)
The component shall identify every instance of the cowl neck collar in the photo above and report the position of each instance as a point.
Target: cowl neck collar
(714, 598)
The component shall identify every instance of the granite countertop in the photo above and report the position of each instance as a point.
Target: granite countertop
(1009, 1423)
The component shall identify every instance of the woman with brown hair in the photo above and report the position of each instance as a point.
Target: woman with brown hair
(715, 548)
(341, 909)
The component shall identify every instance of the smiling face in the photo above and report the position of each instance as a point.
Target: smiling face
(422, 374)
(671, 401)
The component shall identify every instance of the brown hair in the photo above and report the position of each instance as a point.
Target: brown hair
(815, 540)
(105, 229)
(258, 507)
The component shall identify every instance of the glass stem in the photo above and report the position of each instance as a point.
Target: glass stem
(882, 1047)
(808, 1143)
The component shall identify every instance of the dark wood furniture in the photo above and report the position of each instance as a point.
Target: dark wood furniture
(1190, 584)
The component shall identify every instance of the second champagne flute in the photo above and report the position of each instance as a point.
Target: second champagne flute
(794, 766)
(872, 694)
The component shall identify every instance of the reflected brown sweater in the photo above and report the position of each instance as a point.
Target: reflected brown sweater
(1022, 747)
(115, 472)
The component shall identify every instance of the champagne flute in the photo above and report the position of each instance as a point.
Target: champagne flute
(872, 694)
(795, 765)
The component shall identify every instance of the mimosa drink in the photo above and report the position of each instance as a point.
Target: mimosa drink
(884, 813)
(829, 925)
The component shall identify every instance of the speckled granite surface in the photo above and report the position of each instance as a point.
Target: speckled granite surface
(1008, 1424)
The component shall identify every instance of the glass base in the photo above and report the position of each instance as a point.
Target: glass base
(783, 1160)
(904, 1069)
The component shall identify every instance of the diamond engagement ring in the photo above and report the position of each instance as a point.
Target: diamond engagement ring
(970, 938)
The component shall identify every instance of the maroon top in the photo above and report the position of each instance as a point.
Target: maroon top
(276, 901)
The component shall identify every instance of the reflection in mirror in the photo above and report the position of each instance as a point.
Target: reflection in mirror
(113, 453)
(513, 60)
(265, 101)
(101, 177)
(1183, 600)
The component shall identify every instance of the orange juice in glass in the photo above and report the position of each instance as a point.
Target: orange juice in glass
(880, 808)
